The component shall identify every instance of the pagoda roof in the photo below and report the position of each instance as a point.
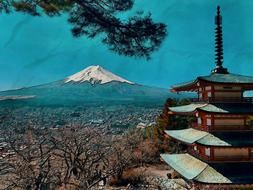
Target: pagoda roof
(235, 138)
(190, 136)
(229, 139)
(214, 78)
(194, 169)
(187, 108)
(187, 135)
(222, 108)
(237, 172)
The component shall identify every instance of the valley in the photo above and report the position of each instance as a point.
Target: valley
(116, 118)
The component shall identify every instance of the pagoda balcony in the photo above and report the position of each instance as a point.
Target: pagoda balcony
(232, 159)
(211, 128)
(223, 100)
(205, 158)
(229, 127)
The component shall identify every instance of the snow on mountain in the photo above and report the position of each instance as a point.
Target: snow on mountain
(95, 75)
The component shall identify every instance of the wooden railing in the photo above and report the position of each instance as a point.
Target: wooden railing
(224, 99)
(220, 127)
(232, 158)
(229, 127)
(247, 99)
(219, 159)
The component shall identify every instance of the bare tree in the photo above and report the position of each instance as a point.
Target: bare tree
(84, 154)
(128, 152)
(28, 162)
(70, 157)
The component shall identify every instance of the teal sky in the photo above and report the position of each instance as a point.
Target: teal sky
(36, 50)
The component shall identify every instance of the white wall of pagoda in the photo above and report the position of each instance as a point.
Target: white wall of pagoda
(210, 122)
(218, 92)
(230, 153)
(222, 153)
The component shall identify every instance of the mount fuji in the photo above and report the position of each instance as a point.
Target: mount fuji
(95, 75)
(90, 86)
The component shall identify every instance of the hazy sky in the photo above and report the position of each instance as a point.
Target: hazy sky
(36, 50)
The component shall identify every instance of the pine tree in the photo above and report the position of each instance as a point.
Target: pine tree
(169, 121)
(138, 36)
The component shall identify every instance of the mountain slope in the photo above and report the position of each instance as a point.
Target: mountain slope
(92, 85)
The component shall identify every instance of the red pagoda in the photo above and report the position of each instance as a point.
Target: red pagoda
(220, 142)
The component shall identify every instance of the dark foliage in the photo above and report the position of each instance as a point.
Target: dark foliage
(138, 36)
(166, 121)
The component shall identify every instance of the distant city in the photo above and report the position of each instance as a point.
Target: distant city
(116, 118)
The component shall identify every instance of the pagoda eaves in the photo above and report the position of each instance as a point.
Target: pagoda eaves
(215, 79)
(218, 108)
(216, 139)
(197, 171)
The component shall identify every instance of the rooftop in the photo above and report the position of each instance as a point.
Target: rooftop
(194, 169)
(235, 139)
(220, 108)
(214, 78)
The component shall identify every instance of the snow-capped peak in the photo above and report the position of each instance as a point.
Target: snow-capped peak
(95, 74)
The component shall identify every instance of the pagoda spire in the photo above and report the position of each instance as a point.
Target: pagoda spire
(219, 45)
